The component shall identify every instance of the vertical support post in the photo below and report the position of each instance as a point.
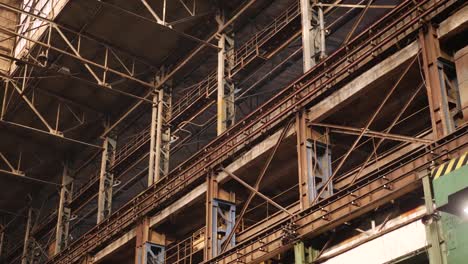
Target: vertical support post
(142, 236)
(432, 229)
(461, 67)
(150, 246)
(313, 33)
(220, 218)
(314, 162)
(106, 179)
(2, 237)
(211, 193)
(225, 98)
(27, 250)
(441, 117)
(4, 101)
(64, 211)
(160, 133)
(304, 255)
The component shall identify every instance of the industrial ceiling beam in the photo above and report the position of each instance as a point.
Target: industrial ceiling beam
(157, 20)
(181, 65)
(75, 55)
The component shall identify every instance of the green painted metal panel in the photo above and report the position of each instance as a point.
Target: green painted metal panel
(450, 183)
(455, 229)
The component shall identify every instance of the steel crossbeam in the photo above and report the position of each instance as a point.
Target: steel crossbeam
(398, 24)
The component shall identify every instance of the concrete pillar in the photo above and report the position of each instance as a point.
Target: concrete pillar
(64, 211)
(106, 179)
(225, 98)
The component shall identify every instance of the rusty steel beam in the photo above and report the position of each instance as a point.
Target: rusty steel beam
(398, 24)
(257, 184)
(366, 127)
(376, 189)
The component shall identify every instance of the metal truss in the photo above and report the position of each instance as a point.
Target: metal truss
(361, 51)
(31, 97)
(116, 63)
(171, 74)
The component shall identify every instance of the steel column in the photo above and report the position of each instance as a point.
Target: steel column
(64, 211)
(160, 133)
(314, 162)
(432, 228)
(2, 236)
(26, 257)
(313, 33)
(106, 179)
(150, 246)
(226, 107)
(441, 117)
(461, 66)
(220, 218)
(211, 193)
(304, 255)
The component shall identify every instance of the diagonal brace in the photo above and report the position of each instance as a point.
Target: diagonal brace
(257, 183)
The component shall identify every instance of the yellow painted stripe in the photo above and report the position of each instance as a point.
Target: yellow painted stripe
(450, 165)
(439, 171)
(460, 162)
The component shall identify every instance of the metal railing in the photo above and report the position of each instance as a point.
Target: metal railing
(182, 252)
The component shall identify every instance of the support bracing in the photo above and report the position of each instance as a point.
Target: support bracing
(441, 101)
(160, 133)
(64, 211)
(226, 106)
(314, 163)
(313, 33)
(224, 217)
(106, 179)
(220, 219)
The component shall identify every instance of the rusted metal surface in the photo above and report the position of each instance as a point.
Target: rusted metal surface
(364, 50)
(370, 192)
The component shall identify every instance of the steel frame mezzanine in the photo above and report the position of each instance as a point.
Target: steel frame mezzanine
(251, 49)
(150, 200)
(141, 198)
